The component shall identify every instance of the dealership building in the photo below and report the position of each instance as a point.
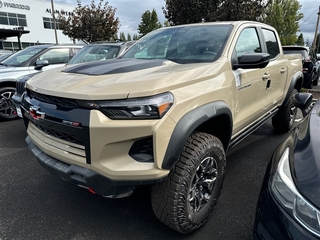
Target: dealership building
(30, 22)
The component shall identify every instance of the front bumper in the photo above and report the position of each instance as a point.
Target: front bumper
(85, 177)
(16, 99)
(121, 154)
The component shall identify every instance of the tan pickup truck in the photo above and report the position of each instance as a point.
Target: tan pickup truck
(164, 114)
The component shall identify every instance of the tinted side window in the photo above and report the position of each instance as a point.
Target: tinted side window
(271, 42)
(248, 42)
(74, 51)
(56, 56)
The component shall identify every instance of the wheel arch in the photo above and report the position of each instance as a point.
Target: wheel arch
(213, 118)
(8, 83)
(295, 83)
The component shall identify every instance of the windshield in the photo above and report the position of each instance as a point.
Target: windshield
(95, 53)
(4, 56)
(185, 44)
(20, 57)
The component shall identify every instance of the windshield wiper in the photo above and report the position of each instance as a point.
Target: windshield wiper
(3, 64)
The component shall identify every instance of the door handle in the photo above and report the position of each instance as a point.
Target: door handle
(265, 76)
(283, 70)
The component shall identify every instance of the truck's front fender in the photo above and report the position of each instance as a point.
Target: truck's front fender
(192, 121)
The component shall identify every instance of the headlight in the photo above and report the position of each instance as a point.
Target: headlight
(154, 107)
(287, 194)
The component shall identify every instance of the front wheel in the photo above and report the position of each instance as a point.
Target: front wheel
(285, 117)
(7, 108)
(185, 200)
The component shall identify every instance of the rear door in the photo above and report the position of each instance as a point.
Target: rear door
(276, 70)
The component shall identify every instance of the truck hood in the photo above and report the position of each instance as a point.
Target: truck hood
(120, 78)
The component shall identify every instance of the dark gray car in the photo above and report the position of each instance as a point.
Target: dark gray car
(100, 51)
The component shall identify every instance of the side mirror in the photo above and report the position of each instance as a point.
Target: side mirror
(252, 60)
(304, 102)
(40, 64)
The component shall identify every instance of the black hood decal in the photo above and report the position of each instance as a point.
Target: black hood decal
(114, 66)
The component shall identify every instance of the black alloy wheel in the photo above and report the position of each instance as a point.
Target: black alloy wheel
(7, 108)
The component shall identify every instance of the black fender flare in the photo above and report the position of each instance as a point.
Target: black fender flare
(294, 84)
(189, 123)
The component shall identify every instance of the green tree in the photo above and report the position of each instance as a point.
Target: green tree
(114, 37)
(284, 16)
(188, 11)
(129, 37)
(195, 11)
(90, 22)
(308, 43)
(135, 37)
(300, 41)
(166, 23)
(239, 10)
(122, 37)
(149, 22)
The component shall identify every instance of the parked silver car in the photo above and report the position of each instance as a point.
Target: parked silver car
(4, 56)
(28, 61)
(92, 52)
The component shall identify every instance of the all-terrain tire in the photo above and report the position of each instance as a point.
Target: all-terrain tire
(315, 79)
(185, 200)
(284, 119)
(309, 84)
(7, 108)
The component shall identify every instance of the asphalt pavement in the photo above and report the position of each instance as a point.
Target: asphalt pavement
(36, 205)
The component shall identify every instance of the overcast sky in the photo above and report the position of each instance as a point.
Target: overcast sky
(129, 13)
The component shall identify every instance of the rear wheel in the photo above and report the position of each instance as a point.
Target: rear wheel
(7, 108)
(185, 200)
(284, 119)
(315, 79)
(309, 84)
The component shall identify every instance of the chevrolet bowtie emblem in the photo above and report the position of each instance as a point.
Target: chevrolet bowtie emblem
(36, 113)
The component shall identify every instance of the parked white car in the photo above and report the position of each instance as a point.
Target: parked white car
(28, 61)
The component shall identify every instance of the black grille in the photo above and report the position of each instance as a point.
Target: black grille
(62, 102)
(20, 87)
(64, 136)
(117, 113)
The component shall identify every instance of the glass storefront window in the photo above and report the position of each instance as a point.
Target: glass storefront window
(13, 19)
(49, 23)
(4, 20)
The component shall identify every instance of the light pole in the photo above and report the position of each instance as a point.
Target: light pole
(316, 33)
(54, 22)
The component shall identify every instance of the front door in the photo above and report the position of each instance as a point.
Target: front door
(250, 99)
